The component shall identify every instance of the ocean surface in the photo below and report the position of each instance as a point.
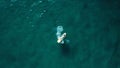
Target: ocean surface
(28, 33)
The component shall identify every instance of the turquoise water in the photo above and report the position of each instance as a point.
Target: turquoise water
(28, 33)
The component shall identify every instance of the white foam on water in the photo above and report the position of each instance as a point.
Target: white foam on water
(41, 14)
(32, 26)
(11, 5)
(40, 1)
(59, 29)
(44, 10)
(36, 3)
(33, 4)
(30, 10)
